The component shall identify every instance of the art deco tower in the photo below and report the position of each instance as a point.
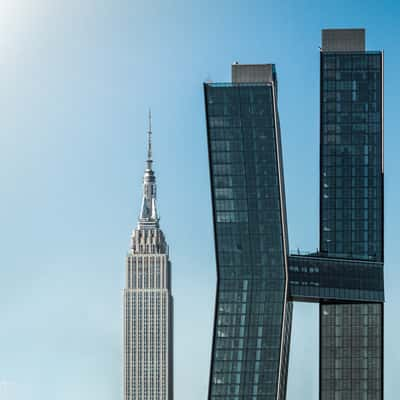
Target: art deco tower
(148, 352)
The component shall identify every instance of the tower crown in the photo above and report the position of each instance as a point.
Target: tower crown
(148, 218)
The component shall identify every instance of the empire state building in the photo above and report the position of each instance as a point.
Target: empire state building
(148, 306)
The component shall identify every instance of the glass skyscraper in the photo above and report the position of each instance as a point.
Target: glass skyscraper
(351, 209)
(253, 314)
(257, 279)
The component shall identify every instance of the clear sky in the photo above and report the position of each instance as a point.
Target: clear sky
(77, 78)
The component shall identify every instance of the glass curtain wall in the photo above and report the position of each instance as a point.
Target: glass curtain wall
(252, 316)
(351, 218)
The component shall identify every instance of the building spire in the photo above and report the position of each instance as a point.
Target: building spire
(148, 213)
(149, 150)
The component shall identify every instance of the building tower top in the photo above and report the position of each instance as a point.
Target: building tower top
(148, 218)
(343, 40)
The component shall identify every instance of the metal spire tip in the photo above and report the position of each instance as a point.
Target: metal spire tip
(149, 150)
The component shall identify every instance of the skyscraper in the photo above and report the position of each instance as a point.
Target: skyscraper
(148, 307)
(252, 312)
(257, 277)
(351, 209)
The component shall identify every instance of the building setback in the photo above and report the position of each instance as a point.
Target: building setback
(148, 352)
(257, 279)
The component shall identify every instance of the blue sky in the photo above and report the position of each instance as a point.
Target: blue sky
(77, 79)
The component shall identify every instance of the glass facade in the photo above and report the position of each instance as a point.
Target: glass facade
(252, 315)
(315, 278)
(351, 155)
(351, 351)
(257, 279)
(351, 217)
